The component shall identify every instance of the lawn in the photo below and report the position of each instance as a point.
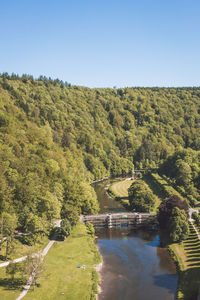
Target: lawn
(120, 188)
(62, 279)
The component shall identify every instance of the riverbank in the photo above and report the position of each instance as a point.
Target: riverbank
(68, 271)
(119, 191)
(187, 258)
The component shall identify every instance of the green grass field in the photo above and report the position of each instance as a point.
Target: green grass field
(61, 278)
(120, 188)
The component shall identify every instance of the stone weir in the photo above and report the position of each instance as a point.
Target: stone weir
(110, 220)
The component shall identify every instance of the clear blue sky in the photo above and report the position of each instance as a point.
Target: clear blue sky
(103, 43)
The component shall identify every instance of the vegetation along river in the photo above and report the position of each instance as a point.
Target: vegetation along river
(134, 266)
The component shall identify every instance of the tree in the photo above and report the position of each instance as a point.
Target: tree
(178, 225)
(140, 196)
(33, 267)
(70, 213)
(50, 206)
(196, 218)
(166, 207)
(34, 223)
(8, 224)
(66, 227)
(183, 172)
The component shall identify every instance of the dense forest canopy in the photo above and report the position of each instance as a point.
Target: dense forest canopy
(56, 138)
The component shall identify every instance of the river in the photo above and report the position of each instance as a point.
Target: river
(134, 266)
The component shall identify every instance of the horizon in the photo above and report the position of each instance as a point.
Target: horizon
(102, 45)
(106, 87)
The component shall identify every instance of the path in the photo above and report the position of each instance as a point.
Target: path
(30, 280)
(5, 264)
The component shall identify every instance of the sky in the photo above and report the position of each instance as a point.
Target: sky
(103, 43)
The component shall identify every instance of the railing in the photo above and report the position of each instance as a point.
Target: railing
(119, 219)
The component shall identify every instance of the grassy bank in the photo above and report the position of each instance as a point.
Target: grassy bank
(119, 190)
(187, 257)
(61, 278)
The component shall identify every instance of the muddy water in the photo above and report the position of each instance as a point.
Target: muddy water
(134, 266)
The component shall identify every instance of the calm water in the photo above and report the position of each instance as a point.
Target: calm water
(107, 204)
(134, 266)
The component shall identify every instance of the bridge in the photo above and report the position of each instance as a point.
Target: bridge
(109, 220)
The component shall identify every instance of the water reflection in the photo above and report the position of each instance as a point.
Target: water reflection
(134, 266)
(107, 204)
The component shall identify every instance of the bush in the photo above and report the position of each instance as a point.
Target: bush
(90, 229)
(196, 218)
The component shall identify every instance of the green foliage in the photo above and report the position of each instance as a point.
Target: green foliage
(70, 213)
(13, 268)
(90, 229)
(166, 189)
(183, 170)
(178, 225)
(56, 138)
(66, 227)
(95, 280)
(8, 224)
(166, 208)
(196, 218)
(141, 198)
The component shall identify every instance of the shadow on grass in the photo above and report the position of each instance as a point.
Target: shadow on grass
(193, 259)
(189, 282)
(197, 255)
(3, 258)
(12, 284)
(154, 187)
(125, 205)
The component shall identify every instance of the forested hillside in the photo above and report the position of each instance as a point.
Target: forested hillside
(56, 138)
